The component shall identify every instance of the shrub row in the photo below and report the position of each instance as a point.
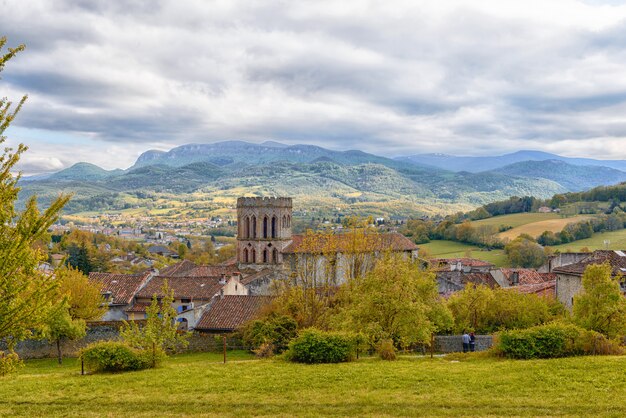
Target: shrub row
(315, 346)
(554, 340)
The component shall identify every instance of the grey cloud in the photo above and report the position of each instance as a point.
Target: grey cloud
(387, 78)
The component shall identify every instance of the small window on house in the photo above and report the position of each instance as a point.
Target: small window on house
(236, 287)
(185, 301)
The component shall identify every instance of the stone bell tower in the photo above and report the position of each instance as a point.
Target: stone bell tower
(263, 230)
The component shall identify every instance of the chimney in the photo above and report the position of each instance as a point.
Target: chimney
(515, 278)
(223, 279)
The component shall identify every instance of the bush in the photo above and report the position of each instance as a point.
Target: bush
(113, 356)
(315, 346)
(9, 363)
(386, 350)
(554, 340)
(265, 350)
(274, 329)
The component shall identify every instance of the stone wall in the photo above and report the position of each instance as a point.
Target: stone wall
(198, 342)
(454, 343)
(42, 348)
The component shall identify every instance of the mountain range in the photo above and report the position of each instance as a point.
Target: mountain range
(204, 176)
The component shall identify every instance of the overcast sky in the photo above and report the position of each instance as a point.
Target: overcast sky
(108, 79)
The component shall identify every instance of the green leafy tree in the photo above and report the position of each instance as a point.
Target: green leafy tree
(523, 251)
(26, 294)
(396, 300)
(61, 326)
(160, 331)
(601, 306)
(81, 301)
(485, 310)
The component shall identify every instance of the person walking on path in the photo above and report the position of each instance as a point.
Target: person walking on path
(466, 341)
(472, 342)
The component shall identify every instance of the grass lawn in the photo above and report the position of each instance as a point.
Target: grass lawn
(453, 249)
(596, 242)
(196, 384)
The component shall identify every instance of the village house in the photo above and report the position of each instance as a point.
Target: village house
(191, 293)
(119, 291)
(569, 277)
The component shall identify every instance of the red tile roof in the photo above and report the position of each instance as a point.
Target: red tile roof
(178, 269)
(378, 242)
(195, 288)
(527, 276)
(211, 271)
(542, 289)
(122, 286)
(617, 260)
(230, 312)
(479, 278)
(137, 308)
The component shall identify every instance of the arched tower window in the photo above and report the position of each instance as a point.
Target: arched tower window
(245, 256)
(265, 227)
(265, 255)
(284, 221)
(246, 227)
(253, 226)
(253, 258)
(288, 221)
(274, 227)
(275, 256)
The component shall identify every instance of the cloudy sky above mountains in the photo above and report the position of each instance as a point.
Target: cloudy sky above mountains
(107, 80)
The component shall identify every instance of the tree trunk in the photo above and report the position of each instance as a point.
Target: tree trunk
(60, 355)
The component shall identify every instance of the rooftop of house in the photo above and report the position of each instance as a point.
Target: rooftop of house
(527, 276)
(178, 268)
(346, 242)
(194, 288)
(479, 279)
(231, 312)
(545, 289)
(121, 286)
(616, 259)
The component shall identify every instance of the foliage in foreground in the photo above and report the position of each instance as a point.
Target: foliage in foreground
(79, 301)
(485, 310)
(554, 340)
(396, 300)
(315, 346)
(115, 356)
(26, 293)
(601, 307)
(272, 332)
(160, 332)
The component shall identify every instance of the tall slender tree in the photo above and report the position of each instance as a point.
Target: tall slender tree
(25, 292)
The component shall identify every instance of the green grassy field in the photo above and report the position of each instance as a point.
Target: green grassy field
(453, 249)
(197, 384)
(596, 242)
(517, 219)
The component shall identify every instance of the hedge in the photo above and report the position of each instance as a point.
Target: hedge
(554, 340)
(315, 346)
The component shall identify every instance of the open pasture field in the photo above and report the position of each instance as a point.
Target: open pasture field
(453, 249)
(197, 384)
(617, 241)
(517, 219)
(534, 229)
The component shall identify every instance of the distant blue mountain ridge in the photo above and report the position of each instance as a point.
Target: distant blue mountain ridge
(478, 164)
